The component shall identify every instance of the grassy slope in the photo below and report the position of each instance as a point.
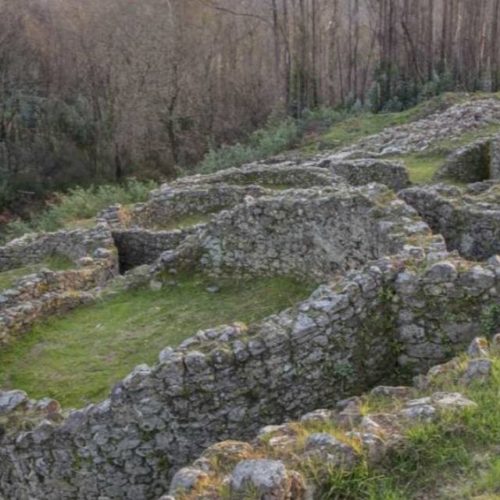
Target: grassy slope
(76, 359)
(456, 458)
(421, 166)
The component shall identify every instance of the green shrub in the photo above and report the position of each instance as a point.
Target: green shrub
(280, 134)
(79, 204)
(324, 117)
(271, 140)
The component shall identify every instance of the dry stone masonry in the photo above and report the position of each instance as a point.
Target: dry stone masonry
(360, 172)
(47, 292)
(171, 204)
(225, 383)
(474, 162)
(393, 295)
(282, 174)
(275, 464)
(468, 218)
(143, 246)
(138, 233)
(337, 228)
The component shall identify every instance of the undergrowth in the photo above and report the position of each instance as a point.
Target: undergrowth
(323, 128)
(317, 130)
(273, 139)
(278, 136)
(454, 458)
(79, 206)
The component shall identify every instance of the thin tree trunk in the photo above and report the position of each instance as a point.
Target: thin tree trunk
(494, 56)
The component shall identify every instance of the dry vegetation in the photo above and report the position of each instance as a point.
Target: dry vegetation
(94, 91)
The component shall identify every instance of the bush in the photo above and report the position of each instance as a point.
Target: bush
(271, 140)
(324, 117)
(81, 203)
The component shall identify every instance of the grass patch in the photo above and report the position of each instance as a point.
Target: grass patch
(487, 481)
(76, 359)
(440, 460)
(54, 263)
(356, 127)
(447, 146)
(353, 128)
(421, 166)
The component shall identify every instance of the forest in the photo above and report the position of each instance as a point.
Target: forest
(96, 91)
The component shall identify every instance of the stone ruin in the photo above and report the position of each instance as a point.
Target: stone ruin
(47, 292)
(467, 217)
(404, 287)
(421, 135)
(475, 162)
(275, 464)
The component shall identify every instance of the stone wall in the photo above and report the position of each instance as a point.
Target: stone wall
(310, 172)
(225, 382)
(468, 164)
(285, 174)
(228, 382)
(359, 172)
(276, 464)
(206, 194)
(21, 317)
(495, 158)
(426, 133)
(168, 205)
(142, 246)
(468, 218)
(393, 297)
(439, 310)
(305, 233)
(32, 287)
(47, 292)
(34, 248)
(44, 294)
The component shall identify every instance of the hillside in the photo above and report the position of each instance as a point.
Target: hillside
(295, 327)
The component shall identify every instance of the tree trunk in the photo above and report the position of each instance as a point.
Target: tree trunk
(494, 56)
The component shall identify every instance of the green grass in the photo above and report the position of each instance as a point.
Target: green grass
(76, 359)
(355, 127)
(487, 481)
(439, 460)
(422, 166)
(54, 263)
(446, 146)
